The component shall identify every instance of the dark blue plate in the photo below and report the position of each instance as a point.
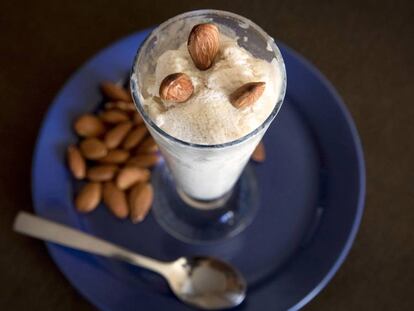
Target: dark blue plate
(312, 189)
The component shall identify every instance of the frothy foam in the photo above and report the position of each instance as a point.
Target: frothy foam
(208, 117)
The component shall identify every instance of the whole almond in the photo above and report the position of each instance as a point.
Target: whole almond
(113, 116)
(93, 148)
(145, 160)
(116, 156)
(115, 136)
(76, 162)
(88, 125)
(176, 87)
(130, 175)
(259, 154)
(115, 92)
(148, 145)
(247, 94)
(134, 137)
(101, 172)
(88, 197)
(140, 201)
(124, 106)
(203, 45)
(137, 119)
(115, 199)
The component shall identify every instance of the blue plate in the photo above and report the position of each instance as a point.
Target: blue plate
(312, 189)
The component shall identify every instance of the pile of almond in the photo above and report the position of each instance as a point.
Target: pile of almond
(114, 156)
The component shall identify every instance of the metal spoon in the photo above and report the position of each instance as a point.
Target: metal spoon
(203, 282)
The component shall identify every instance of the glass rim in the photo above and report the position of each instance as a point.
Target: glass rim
(135, 89)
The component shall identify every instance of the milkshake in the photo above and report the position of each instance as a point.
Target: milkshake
(208, 85)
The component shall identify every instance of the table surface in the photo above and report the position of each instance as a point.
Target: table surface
(365, 49)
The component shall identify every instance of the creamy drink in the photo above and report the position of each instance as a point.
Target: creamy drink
(207, 99)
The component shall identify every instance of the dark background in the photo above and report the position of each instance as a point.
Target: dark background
(365, 48)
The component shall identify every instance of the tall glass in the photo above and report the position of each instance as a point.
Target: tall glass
(204, 175)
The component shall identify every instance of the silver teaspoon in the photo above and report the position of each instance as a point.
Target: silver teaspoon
(203, 282)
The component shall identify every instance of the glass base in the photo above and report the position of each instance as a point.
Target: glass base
(204, 204)
(176, 215)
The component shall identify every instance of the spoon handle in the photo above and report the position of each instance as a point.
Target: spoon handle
(47, 230)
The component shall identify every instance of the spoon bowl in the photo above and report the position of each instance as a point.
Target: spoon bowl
(206, 282)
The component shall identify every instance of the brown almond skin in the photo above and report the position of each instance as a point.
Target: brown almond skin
(88, 197)
(88, 125)
(114, 116)
(134, 137)
(115, 92)
(76, 162)
(140, 201)
(176, 88)
(247, 94)
(145, 160)
(148, 145)
(116, 156)
(115, 136)
(259, 154)
(93, 149)
(101, 172)
(203, 45)
(124, 106)
(137, 119)
(116, 200)
(130, 175)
